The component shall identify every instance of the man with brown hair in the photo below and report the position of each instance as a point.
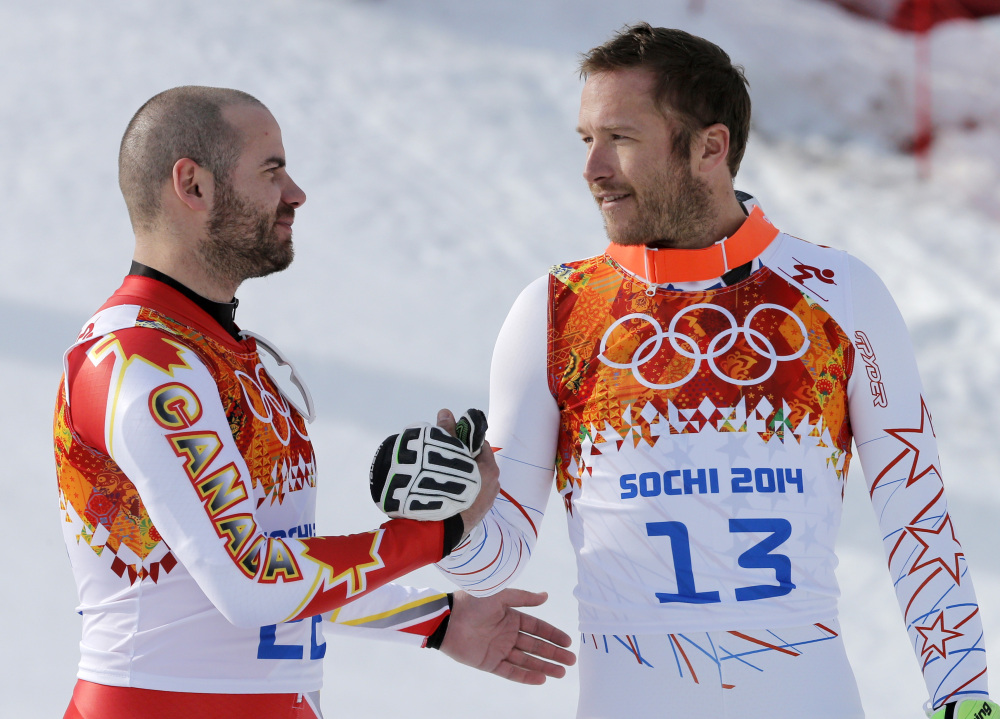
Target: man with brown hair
(695, 390)
(187, 478)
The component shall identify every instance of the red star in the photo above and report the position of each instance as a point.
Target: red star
(940, 546)
(920, 441)
(936, 636)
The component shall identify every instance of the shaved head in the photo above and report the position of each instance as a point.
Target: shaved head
(184, 122)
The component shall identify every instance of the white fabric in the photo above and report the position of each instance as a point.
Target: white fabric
(789, 673)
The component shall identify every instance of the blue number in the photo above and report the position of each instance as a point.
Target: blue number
(757, 557)
(316, 651)
(270, 649)
(680, 547)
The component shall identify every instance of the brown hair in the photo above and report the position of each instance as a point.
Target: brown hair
(182, 122)
(695, 81)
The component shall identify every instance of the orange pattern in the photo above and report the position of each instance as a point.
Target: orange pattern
(589, 296)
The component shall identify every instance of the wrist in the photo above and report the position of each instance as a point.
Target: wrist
(437, 636)
(454, 532)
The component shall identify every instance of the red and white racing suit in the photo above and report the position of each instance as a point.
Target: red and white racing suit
(700, 433)
(187, 493)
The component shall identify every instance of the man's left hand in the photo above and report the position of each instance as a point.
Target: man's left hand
(487, 633)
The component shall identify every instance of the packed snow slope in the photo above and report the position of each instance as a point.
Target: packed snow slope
(435, 139)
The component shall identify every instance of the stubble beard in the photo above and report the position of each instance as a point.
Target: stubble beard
(674, 212)
(242, 239)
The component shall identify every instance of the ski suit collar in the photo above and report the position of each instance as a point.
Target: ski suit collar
(223, 312)
(159, 296)
(660, 266)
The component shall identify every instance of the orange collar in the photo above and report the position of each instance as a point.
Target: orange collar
(660, 266)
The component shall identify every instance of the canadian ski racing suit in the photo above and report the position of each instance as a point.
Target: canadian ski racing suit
(187, 489)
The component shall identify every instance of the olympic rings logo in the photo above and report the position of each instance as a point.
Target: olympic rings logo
(266, 406)
(687, 346)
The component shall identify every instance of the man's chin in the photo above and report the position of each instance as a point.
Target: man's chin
(283, 262)
(621, 236)
(276, 263)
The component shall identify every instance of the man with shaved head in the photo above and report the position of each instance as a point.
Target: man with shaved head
(187, 478)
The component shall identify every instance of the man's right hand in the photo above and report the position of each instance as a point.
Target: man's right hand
(430, 473)
(489, 472)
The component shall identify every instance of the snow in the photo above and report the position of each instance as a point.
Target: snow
(435, 139)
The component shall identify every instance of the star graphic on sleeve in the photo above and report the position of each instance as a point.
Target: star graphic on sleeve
(921, 443)
(936, 636)
(938, 546)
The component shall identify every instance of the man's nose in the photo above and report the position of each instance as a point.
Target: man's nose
(598, 166)
(292, 194)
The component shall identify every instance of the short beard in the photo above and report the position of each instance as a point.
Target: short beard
(676, 212)
(242, 240)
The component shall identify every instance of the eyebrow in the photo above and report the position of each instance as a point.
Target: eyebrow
(278, 162)
(611, 128)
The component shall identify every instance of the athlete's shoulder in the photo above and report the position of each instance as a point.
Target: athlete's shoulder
(798, 258)
(807, 263)
(153, 345)
(564, 269)
(96, 366)
(127, 324)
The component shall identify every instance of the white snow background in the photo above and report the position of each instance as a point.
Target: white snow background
(435, 140)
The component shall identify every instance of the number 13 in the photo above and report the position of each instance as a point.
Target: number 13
(757, 557)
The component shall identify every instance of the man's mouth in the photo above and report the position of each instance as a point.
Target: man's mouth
(606, 199)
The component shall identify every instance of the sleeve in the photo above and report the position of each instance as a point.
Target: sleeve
(395, 613)
(523, 431)
(895, 439)
(164, 425)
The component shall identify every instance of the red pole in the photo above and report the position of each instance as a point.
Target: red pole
(924, 121)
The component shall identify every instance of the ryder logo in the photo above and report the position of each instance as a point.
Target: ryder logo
(864, 346)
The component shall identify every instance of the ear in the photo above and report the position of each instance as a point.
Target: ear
(192, 184)
(711, 149)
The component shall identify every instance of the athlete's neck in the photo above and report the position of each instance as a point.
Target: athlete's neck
(222, 312)
(668, 265)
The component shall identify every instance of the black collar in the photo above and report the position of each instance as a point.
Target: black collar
(222, 312)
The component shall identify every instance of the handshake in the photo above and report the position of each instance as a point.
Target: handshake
(430, 472)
